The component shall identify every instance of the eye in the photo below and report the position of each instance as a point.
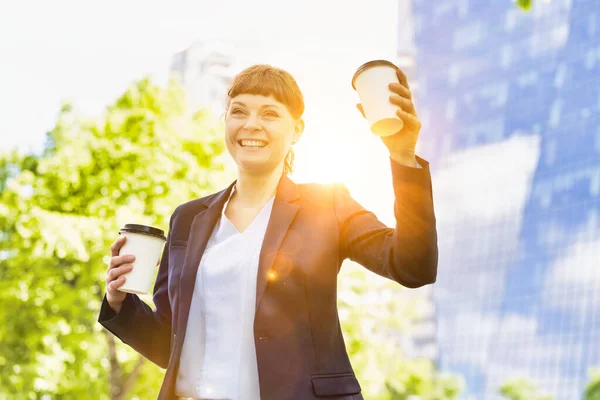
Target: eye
(237, 111)
(271, 114)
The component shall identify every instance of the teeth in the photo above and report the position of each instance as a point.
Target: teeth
(253, 143)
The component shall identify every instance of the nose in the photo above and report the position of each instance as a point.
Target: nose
(252, 124)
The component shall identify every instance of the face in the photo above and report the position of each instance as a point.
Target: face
(259, 131)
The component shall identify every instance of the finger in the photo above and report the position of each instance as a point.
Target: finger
(409, 119)
(360, 108)
(115, 273)
(116, 246)
(400, 90)
(404, 103)
(114, 285)
(402, 77)
(118, 260)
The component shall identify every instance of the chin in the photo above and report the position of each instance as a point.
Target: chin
(257, 167)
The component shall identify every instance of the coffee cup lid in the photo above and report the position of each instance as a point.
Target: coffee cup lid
(144, 230)
(368, 65)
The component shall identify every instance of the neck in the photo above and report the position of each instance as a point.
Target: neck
(255, 190)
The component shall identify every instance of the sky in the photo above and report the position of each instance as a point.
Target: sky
(88, 54)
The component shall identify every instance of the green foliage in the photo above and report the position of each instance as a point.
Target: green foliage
(522, 389)
(592, 391)
(525, 4)
(376, 314)
(60, 211)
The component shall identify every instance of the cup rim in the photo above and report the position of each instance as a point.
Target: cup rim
(144, 230)
(370, 64)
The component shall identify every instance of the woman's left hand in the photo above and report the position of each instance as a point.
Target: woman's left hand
(402, 144)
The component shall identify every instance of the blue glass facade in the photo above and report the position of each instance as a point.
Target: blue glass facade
(510, 104)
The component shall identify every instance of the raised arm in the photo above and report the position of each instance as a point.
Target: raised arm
(407, 254)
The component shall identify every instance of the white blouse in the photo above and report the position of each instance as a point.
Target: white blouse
(218, 359)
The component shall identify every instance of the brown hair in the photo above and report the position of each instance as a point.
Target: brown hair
(266, 80)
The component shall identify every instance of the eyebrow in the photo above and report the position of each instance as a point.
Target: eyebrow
(244, 105)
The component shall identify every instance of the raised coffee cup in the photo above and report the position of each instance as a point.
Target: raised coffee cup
(371, 82)
(146, 244)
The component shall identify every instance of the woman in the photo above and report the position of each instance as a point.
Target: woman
(245, 295)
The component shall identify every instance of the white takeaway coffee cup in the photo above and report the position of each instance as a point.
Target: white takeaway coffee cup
(371, 82)
(146, 244)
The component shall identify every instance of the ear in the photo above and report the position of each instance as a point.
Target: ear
(298, 130)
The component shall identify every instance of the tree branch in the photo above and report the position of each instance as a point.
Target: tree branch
(133, 375)
(115, 368)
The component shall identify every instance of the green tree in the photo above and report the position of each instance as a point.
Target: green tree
(592, 390)
(61, 209)
(376, 314)
(522, 389)
(524, 4)
(59, 212)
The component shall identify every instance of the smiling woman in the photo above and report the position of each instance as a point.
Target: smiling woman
(259, 132)
(267, 99)
(246, 292)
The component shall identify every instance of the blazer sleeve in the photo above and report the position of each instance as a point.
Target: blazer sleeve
(407, 254)
(147, 331)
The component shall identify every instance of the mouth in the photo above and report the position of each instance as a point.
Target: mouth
(253, 143)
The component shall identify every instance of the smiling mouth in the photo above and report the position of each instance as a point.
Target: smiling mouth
(253, 143)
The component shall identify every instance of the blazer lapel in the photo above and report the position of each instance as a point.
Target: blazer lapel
(282, 215)
(200, 232)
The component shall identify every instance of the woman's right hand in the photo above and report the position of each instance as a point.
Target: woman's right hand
(118, 266)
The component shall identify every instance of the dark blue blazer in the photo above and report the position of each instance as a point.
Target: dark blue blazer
(299, 345)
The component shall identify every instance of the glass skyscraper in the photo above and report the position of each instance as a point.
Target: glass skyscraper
(510, 105)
